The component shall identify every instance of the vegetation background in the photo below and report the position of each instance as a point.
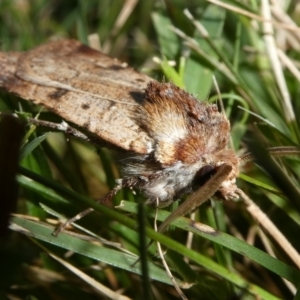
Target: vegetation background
(256, 65)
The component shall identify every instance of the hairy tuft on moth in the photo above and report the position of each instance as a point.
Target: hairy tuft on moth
(174, 145)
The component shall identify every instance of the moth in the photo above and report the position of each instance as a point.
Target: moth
(174, 144)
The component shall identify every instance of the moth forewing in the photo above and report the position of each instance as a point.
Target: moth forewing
(82, 86)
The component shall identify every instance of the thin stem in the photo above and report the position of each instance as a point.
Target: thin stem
(270, 227)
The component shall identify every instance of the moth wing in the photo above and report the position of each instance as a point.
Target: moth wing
(83, 86)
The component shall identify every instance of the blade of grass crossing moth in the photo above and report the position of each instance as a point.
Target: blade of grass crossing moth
(198, 197)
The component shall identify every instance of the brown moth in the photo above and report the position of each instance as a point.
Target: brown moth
(173, 143)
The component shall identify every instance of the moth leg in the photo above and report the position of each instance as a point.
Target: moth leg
(61, 127)
(103, 200)
(121, 183)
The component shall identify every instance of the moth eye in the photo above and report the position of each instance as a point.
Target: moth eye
(203, 175)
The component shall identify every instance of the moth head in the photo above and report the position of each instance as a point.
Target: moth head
(228, 188)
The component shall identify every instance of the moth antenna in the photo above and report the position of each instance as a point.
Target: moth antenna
(275, 152)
